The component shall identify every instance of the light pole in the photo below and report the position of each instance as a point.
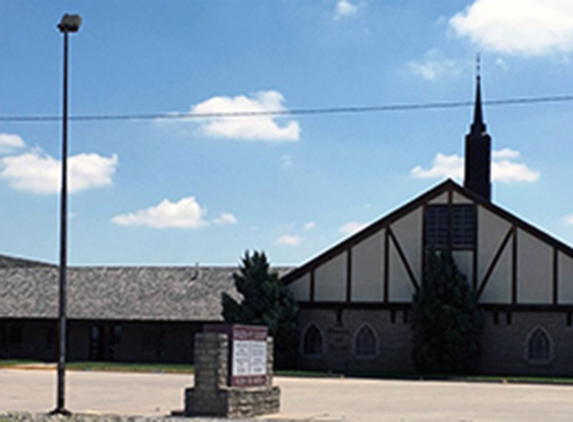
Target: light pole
(68, 24)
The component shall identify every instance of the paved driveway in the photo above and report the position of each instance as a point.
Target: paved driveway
(323, 399)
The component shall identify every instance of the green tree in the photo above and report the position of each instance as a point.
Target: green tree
(265, 301)
(446, 320)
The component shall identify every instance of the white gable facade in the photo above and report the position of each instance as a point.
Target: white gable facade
(355, 298)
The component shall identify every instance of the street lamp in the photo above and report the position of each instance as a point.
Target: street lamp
(68, 24)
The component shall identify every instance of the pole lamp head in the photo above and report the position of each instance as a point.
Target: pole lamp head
(70, 23)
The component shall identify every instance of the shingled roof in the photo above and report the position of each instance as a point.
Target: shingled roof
(12, 262)
(118, 293)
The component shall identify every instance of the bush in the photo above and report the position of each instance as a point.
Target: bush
(446, 321)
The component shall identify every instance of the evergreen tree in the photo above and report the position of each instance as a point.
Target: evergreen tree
(446, 320)
(266, 301)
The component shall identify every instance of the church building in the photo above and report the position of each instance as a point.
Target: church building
(355, 298)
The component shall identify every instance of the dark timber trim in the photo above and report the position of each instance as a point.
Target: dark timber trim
(349, 275)
(355, 305)
(514, 267)
(424, 241)
(373, 229)
(555, 276)
(407, 305)
(450, 219)
(403, 258)
(494, 261)
(420, 201)
(386, 265)
(527, 308)
(312, 285)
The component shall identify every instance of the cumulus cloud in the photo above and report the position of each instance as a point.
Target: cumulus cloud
(37, 172)
(442, 166)
(10, 142)
(289, 240)
(506, 153)
(258, 128)
(503, 168)
(569, 219)
(518, 27)
(225, 219)
(184, 214)
(434, 66)
(352, 227)
(508, 171)
(344, 8)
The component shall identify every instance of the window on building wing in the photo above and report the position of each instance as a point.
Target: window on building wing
(437, 222)
(539, 346)
(365, 342)
(450, 226)
(312, 341)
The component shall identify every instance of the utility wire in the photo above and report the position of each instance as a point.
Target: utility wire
(292, 112)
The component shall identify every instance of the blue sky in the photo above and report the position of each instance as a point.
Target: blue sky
(181, 191)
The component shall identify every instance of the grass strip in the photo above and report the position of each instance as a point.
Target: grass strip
(189, 369)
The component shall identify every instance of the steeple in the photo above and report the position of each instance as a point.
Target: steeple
(478, 126)
(478, 149)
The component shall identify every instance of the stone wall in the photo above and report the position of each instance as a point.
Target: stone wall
(211, 394)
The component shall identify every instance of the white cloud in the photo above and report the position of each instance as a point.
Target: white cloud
(344, 8)
(442, 166)
(504, 154)
(184, 214)
(225, 219)
(39, 173)
(310, 225)
(261, 128)
(352, 227)
(507, 171)
(569, 219)
(503, 168)
(434, 66)
(10, 142)
(518, 27)
(289, 240)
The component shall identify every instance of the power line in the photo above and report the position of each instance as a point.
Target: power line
(292, 112)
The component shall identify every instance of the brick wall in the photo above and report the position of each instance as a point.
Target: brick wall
(504, 342)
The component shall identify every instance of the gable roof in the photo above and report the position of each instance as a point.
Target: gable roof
(445, 186)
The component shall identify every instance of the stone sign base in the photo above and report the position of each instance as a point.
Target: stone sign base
(233, 402)
(212, 395)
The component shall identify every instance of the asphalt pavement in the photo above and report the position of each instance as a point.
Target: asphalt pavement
(319, 399)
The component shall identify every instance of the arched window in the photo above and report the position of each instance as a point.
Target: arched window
(365, 342)
(312, 341)
(539, 345)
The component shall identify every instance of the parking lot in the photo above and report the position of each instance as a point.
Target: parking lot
(321, 399)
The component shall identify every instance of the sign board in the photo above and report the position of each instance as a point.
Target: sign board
(247, 353)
